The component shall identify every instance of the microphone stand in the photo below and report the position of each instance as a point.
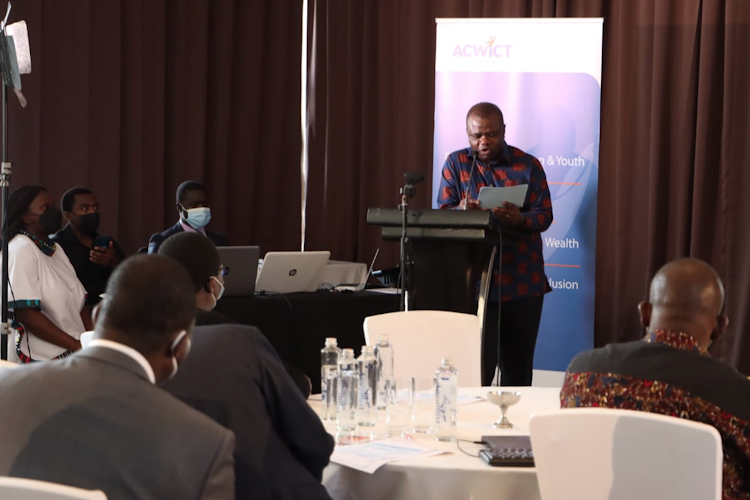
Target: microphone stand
(471, 173)
(406, 192)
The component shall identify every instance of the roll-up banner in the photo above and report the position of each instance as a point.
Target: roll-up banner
(545, 75)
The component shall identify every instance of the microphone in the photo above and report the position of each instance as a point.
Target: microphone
(471, 172)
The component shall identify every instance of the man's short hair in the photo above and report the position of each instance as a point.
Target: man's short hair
(196, 253)
(69, 198)
(187, 186)
(484, 110)
(148, 298)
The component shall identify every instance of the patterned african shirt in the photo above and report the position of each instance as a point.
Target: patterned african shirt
(669, 373)
(522, 273)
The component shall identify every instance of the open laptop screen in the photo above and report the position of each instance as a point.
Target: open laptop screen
(289, 272)
(243, 268)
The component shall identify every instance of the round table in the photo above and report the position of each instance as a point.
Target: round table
(453, 475)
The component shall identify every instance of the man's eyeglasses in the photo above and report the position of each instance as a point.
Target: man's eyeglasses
(223, 271)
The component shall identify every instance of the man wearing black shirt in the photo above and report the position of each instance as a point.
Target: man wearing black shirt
(93, 256)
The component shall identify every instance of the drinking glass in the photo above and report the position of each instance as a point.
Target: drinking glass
(398, 409)
(423, 405)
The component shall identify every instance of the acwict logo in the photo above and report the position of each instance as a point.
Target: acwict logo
(487, 49)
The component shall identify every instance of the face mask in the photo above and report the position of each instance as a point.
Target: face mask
(50, 220)
(216, 299)
(175, 365)
(88, 223)
(198, 218)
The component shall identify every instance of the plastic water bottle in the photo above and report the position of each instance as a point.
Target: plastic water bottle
(367, 411)
(384, 355)
(346, 392)
(329, 360)
(446, 400)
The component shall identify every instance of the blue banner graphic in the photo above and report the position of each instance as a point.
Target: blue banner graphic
(545, 76)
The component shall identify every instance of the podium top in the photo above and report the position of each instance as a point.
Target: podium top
(431, 218)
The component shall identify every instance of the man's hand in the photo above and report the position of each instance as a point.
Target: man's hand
(104, 256)
(509, 214)
(472, 204)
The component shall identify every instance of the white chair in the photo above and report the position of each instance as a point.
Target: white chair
(12, 355)
(7, 364)
(421, 338)
(606, 454)
(548, 378)
(85, 338)
(15, 488)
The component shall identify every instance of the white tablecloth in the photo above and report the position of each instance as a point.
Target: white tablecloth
(454, 475)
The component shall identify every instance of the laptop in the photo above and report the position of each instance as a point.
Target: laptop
(346, 276)
(243, 268)
(289, 272)
(338, 272)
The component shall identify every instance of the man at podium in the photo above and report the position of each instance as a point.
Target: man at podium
(519, 283)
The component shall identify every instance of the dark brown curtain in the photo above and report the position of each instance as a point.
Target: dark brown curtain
(675, 106)
(371, 91)
(132, 97)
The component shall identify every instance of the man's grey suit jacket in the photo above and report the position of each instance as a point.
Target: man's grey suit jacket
(94, 421)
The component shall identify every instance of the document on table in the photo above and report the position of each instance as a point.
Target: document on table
(467, 400)
(491, 197)
(369, 457)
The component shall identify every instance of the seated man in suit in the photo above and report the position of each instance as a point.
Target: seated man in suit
(201, 260)
(92, 255)
(235, 376)
(96, 420)
(670, 371)
(195, 214)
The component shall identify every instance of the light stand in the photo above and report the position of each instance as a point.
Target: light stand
(5, 175)
(406, 192)
(11, 76)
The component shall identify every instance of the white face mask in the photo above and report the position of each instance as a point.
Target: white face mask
(198, 218)
(216, 298)
(177, 340)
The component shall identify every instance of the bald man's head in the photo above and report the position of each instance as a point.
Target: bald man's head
(686, 295)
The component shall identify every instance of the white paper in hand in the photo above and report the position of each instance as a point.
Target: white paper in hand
(491, 197)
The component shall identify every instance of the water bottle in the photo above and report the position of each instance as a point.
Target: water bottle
(329, 360)
(384, 355)
(367, 411)
(346, 392)
(446, 400)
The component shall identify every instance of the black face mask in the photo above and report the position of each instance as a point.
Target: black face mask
(51, 220)
(88, 223)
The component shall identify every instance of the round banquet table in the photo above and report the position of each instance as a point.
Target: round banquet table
(453, 475)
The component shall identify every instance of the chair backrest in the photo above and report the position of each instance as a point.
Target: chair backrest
(86, 337)
(15, 488)
(548, 378)
(421, 338)
(7, 364)
(606, 454)
(12, 355)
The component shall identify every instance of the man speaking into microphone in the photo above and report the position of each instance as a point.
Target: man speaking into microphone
(519, 284)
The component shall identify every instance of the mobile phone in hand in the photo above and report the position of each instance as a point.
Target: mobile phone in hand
(102, 241)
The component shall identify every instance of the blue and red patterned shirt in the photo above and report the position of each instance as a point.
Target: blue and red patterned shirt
(522, 273)
(669, 373)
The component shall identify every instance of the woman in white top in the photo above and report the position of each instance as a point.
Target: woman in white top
(44, 293)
